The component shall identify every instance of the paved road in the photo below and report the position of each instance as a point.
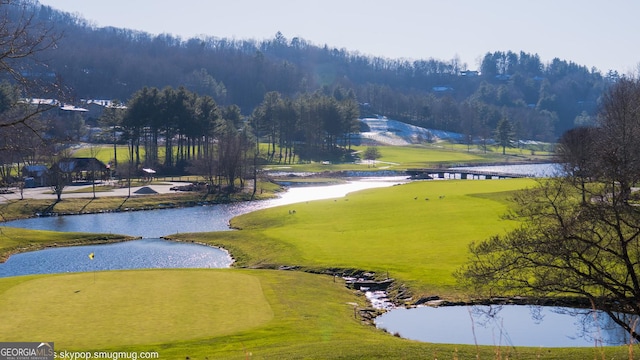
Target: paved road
(70, 192)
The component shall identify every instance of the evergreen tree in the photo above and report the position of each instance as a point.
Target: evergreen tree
(504, 134)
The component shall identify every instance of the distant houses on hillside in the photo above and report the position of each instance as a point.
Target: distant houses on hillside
(89, 108)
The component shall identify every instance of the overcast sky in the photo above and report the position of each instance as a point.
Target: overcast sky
(593, 33)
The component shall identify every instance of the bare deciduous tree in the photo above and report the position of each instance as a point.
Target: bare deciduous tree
(575, 151)
(579, 238)
(23, 41)
(60, 170)
(617, 146)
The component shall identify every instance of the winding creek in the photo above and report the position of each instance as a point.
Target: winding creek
(512, 325)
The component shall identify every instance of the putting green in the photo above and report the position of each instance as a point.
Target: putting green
(130, 307)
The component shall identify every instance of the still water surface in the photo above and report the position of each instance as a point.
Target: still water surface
(138, 254)
(509, 325)
(151, 251)
(158, 223)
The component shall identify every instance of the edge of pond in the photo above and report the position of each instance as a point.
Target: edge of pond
(169, 238)
(7, 253)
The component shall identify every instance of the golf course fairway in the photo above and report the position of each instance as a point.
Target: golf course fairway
(218, 314)
(418, 233)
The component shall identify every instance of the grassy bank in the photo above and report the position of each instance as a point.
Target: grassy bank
(27, 208)
(13, 240)
(417, 233)
(220, 314)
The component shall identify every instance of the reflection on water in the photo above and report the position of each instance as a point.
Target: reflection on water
(158, 223)
(509, 325)
(309, 193)
(151, 225)
(137, 254)
(148, 224)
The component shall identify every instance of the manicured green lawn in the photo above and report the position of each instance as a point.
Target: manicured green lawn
(13, 240)
(268, 314)
(423, 156)
(396, 158)
(118, 308)
(392, 157)
(218, 314)
(105, 153)
(418, 233)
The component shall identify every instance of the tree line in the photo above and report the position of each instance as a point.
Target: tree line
(174, 130)
(185, 128)
(302, 99)
(178, 131)
(311, 127)
(541, 99)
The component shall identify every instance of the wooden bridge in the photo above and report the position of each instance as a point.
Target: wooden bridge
(460, 174)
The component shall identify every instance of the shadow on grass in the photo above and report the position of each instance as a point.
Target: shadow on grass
(49, 209)
(85, 205)
(123, 202)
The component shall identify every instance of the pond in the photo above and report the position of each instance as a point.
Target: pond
(137, 254)
(508, 325)
(152, 252)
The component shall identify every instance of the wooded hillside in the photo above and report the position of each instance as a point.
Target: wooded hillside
(541, 100)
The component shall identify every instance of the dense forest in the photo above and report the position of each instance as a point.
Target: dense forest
(541, 100)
